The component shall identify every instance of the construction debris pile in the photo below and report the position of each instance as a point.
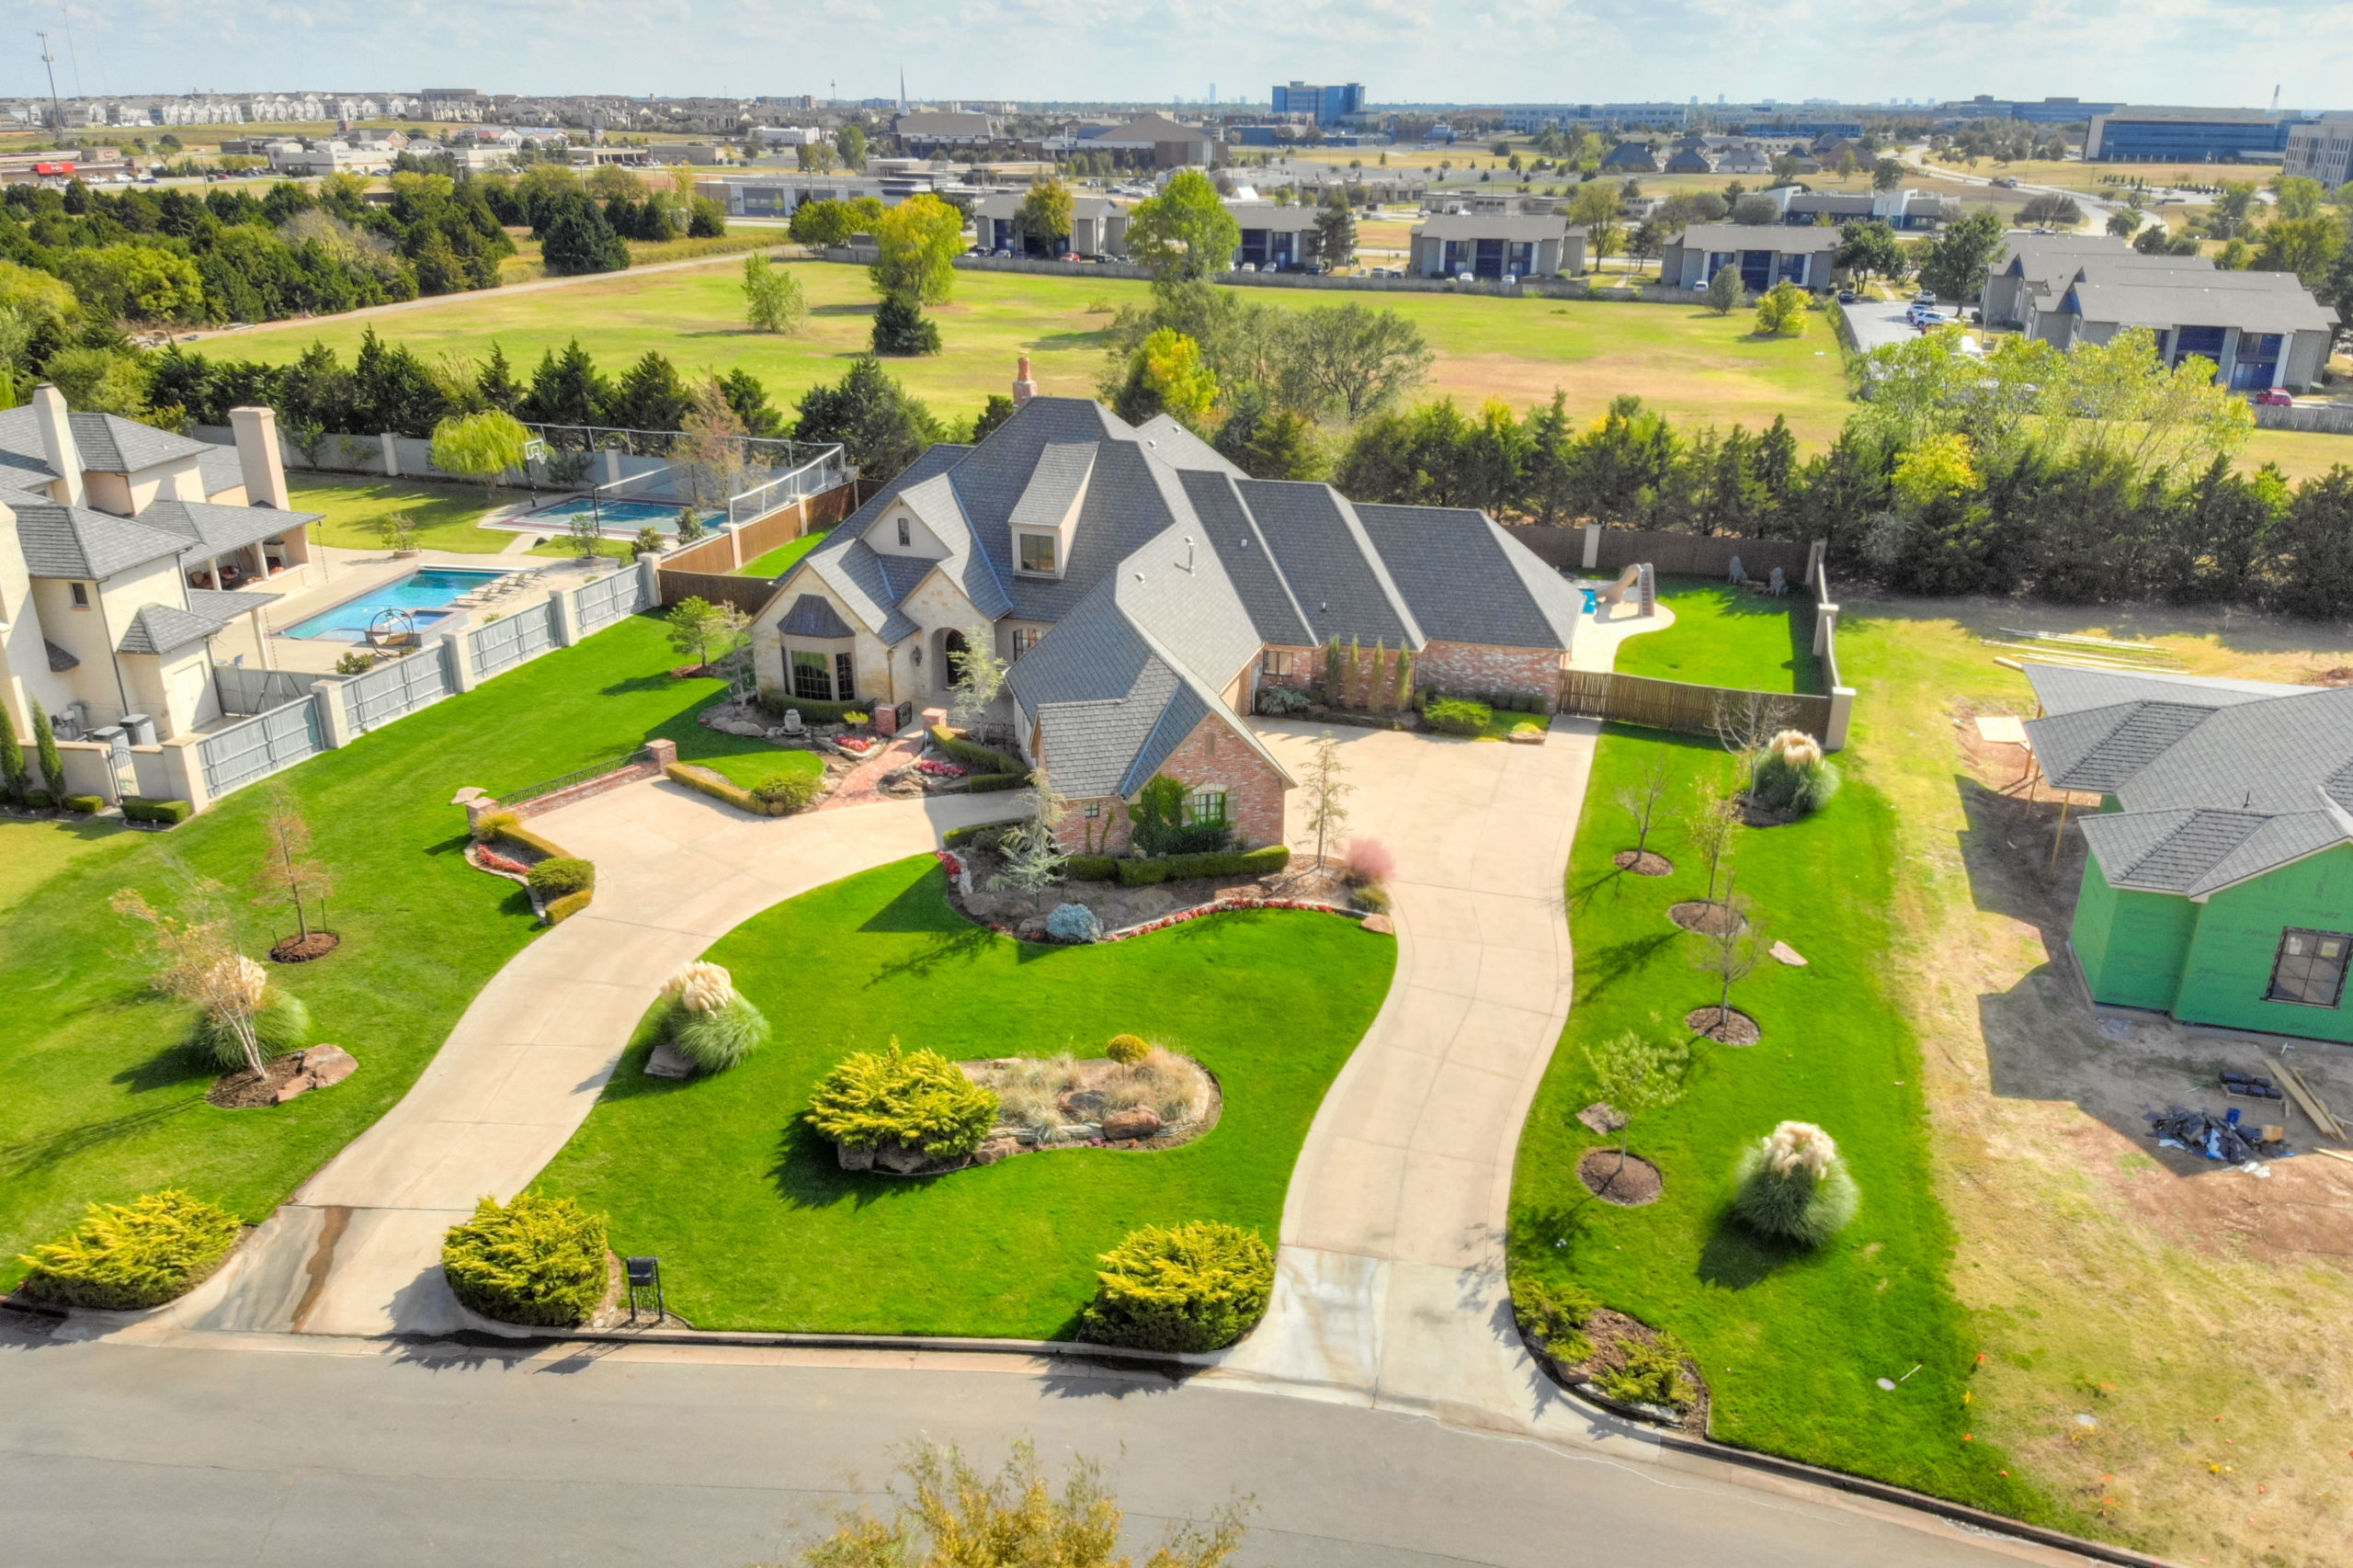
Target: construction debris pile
(2218, 1138)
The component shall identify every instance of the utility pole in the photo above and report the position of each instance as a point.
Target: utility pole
(57, 110)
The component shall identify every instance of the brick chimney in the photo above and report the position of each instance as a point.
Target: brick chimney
(1024, 389)
(259, 457)
(57, 443)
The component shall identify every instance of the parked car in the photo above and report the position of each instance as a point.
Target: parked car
(2008, 182)
(1924, 297)
(2273, 397)
(1247, 266)
(1070, 256)
(1846, 295)
(1464, 277)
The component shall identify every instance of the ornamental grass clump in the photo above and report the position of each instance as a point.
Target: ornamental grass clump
(1792, 775)
(1793, 1184)
(128, 1257)
(539, 1261)
(1193, 1287)
(908, 1099)
(281, 1023)
(710, 1021)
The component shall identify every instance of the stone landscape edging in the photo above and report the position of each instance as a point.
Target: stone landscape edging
(951, 862)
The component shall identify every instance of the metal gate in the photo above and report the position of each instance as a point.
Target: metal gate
(260, 746)
(505, 644)
(393, 691)
(607, 600)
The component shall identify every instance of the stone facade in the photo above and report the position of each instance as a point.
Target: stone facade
(1212, 756)
(1474, 669)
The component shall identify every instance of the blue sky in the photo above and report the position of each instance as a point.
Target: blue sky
(2208, 51)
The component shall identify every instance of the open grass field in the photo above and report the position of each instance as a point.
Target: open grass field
(1792, 1341)
(104, 1105)
(1722, 636)
(1693, 363)
(2097, 1282)
(524, 265)
(758, 1227)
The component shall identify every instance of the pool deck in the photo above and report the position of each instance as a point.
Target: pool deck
(341, 574)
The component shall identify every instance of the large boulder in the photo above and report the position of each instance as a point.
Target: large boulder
(854, 1158)
(996, 1149)
(899, 1159)
(1136, 1121)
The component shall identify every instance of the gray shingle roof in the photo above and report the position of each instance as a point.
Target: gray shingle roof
(222, 606)
(60, 660)
(812, 614)
(1787, 239)
(159, 629)
(1519, 229)
(108, 442)
(222, 469)
(1250, 567)
(1340, 582)
(208, 530)
(76, 542)
(2252, 302)
(1468, 580)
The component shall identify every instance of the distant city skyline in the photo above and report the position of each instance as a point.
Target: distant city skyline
(2196, 51)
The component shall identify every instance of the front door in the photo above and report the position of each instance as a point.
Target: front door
(952, 649)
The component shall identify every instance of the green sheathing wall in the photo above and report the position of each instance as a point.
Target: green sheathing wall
(2132, 945)
(2238, 938)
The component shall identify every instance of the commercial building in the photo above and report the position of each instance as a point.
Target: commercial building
(1765, 254)
(2188, 136)
(1497, 245)
(2321, 149)
(2259, 329)
(1171, 144)
(1098, 226)
(1911, 212)
(778, 195)
(2046, 111)
(1323, 104)
(1276, 237)
(923, 131)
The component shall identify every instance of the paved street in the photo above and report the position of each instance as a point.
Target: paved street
(264, 1450)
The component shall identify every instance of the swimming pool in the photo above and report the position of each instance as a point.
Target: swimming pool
(619, 519)
(428, 593)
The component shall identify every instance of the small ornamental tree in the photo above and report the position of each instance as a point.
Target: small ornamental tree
(980, 676)
(197, 962)
(704, 631)
(1723, 291)
(52, 763)
(1707, 828)
(1781, 312)
(1033, 850)
(480, 446)
(1642, 798)
(15, 776)
(900, 327)
(772, 297)
(1636, 1076)
(1729, 953)
(1327, 789)
(289, 876)
(397, 530)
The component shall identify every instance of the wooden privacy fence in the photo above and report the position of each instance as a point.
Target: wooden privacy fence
(1611, 550)
(746, 593)
(738, 547)
(1677, 705)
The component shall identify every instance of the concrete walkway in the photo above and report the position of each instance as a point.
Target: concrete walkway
(1390, 1285)
(357, 1251)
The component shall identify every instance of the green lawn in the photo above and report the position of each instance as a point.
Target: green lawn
(1722, 636)
(778, 561)
(33, 850)
(445, 514)
(101, 1103)
(758, 1227)
(1792, 1344)
(1693, 363)
(748, 762)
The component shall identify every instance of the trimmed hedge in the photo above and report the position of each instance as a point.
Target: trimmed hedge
(1457, 716)
(509, 825)
(718, 786)
(141, 808)
(1227, 863)
(562, 876)
(87, 805)
(124, 1257)
(42, 800)
(790, 791)
(1091, 869)
(537, 1261)
(562, 909)
(1191, 1289)
(915, 1099)
(990, 783)
(812, 710)
(956, 837)
(991, 769)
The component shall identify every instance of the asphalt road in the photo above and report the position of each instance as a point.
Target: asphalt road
(260, 1450)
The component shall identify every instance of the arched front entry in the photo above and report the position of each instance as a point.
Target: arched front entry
(952, 649)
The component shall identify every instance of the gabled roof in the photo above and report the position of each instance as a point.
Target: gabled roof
(208, 531)
(2252, 302)
(1786, 238)
(60, 660)
(108, 442)
(76, 542)
(160, 629)
(1340, 582)
(1519, 228)
(812, 614)
(1467, 580)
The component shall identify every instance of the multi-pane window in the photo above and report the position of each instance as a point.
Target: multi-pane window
(1024, 639)
(845, 679)
(1274, 662)
(1205, 807)
(2310, 969)
(1038, 554)
(906, 534)
(809, 677)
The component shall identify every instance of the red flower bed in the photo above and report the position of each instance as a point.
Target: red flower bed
(938, 769)
(490, 860)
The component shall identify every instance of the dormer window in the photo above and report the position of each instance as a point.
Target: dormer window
(1040, 555)
(906, 533)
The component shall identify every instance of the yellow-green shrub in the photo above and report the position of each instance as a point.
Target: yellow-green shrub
(1127, 1048)
(915, 1099)
(539, 1261)
(1193, 1287)
(141, 1254)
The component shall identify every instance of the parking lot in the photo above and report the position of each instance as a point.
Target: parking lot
(1880, 321)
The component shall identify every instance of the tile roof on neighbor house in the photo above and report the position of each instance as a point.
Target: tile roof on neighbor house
(1181, 569)
(108, 442)
(2216, 780)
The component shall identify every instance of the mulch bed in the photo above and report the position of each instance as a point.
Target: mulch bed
(1727, 1026)
(1636, 1183)
(1708, 919)
(243, 1089)
(303, 950)
(1643, 862)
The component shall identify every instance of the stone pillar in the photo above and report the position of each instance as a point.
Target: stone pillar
(260, 459)
(334, 724)
(1024, 389)
(661, 753)
(460, 654)
(649, 581)
(564, 617)
(1592, 546)
(1826, 624)
(1813, 555)
(390, 442)
(1842, 711)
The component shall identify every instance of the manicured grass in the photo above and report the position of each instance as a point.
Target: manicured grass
(33, 850)
(1723, 636)
(1792, 1343)
(445, 514)
(1694, 364)
(524, 265)
(780, 561)
(747, 761)
(102, 1104)
(758, 1227)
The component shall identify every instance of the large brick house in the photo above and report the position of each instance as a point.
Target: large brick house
(1144, 590)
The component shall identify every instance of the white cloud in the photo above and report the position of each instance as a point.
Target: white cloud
(2215, 51)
